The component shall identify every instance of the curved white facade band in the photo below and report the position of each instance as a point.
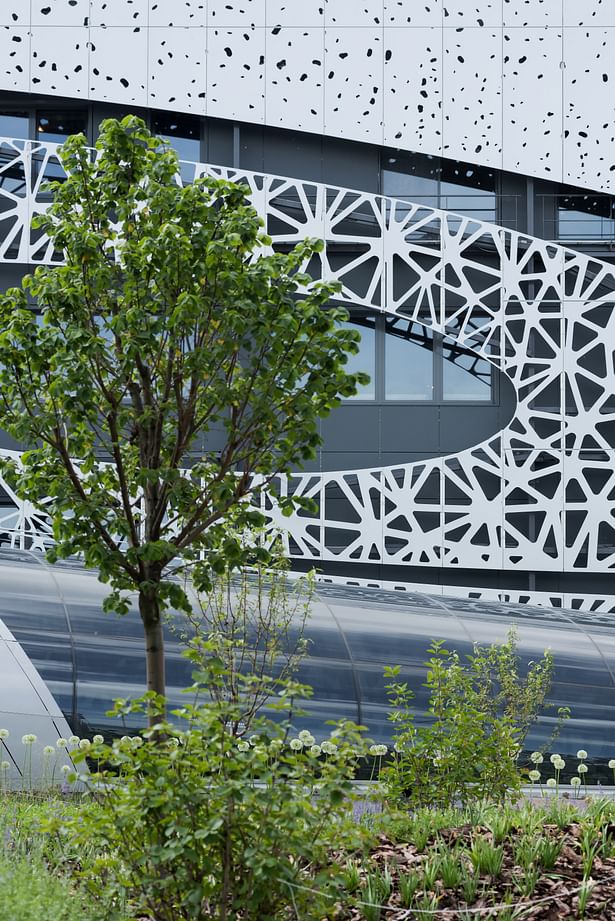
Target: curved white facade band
(517, 85)
(541, 313)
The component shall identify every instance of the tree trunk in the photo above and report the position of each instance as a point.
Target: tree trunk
(154, 645)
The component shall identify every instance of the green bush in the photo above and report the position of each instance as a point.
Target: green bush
(194, 823)
(480, 713)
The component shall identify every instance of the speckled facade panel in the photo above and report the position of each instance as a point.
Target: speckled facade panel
(177, 60)
(413, 88)
(180, 14)
(118, 64)
(52, 74)
(308, 14)
(472, 95)
(353, 83)
(589, 143)
(521, 58)
(295, 102)
(15, 58)
(532, 126)
(236, 74)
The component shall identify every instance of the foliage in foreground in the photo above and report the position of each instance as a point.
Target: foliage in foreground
(193, 823)
(37, 880)
(480, 712)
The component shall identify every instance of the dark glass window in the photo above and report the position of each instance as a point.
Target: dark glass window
(585, 216)
(14, 125)
(439, 183)
(365, 359)
(57, 126)
(408, 361)
(466, 377)
(183, 132)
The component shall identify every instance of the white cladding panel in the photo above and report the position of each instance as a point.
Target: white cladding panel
(525, 85)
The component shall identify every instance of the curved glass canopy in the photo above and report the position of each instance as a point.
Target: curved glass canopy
(88, 658)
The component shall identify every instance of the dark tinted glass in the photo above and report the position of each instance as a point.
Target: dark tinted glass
(57, 126)
(183, 132)
(408, 361)
(14, 124)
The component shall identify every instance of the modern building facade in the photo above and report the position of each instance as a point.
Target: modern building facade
(457, 158)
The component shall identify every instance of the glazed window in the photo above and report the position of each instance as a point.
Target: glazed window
(408, 361)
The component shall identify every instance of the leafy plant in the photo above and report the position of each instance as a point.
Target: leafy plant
(193, 823)
(480, 713)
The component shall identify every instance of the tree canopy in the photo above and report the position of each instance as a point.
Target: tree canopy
(171, 367)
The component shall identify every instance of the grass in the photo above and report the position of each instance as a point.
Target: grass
(37, 879)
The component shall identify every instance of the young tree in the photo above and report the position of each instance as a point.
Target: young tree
(166, 326)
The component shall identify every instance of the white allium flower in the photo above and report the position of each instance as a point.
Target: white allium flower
(575, 781)
(315, 749)
(125, 741)
(536, 758)
(243, 746)
(581, 754)
(306, 737)
(378, 750)
(74, 740)
(29, 738)
(559, 765)
(612, 764)
(84, 744)
(534, 776)
(276, 744)
(49, 750)
(172, 743)
(582, 769)
(296, 744)
(98, 740)
(329, 748)
(136, 741)
(4, 733)
(5, 765)
(61, 743)
(551, 782)
(65, 769)
(554, 758)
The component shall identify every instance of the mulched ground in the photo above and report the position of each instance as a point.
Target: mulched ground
(557, 885)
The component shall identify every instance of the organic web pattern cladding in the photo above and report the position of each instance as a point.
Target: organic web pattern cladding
(540, 494)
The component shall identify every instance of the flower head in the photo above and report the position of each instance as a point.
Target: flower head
(243, 746)
(29, 738)
(554, 757)
(581, 754)
(61, 743)
(296, 744)
(551, 782)
(4, 733)
(582, 769)
(575, 781)
(306, 737)
(73, 740)
(98, 740)
(329, 748)
(536, 758)
(84, 744)
(378, 750)
(65, 769)
(5, 765)
(559, 765)
(315, 750)
(49, 750)
(612, 764)
(534, 776)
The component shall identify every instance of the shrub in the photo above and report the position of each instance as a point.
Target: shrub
(480, 713)
(193, 823)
